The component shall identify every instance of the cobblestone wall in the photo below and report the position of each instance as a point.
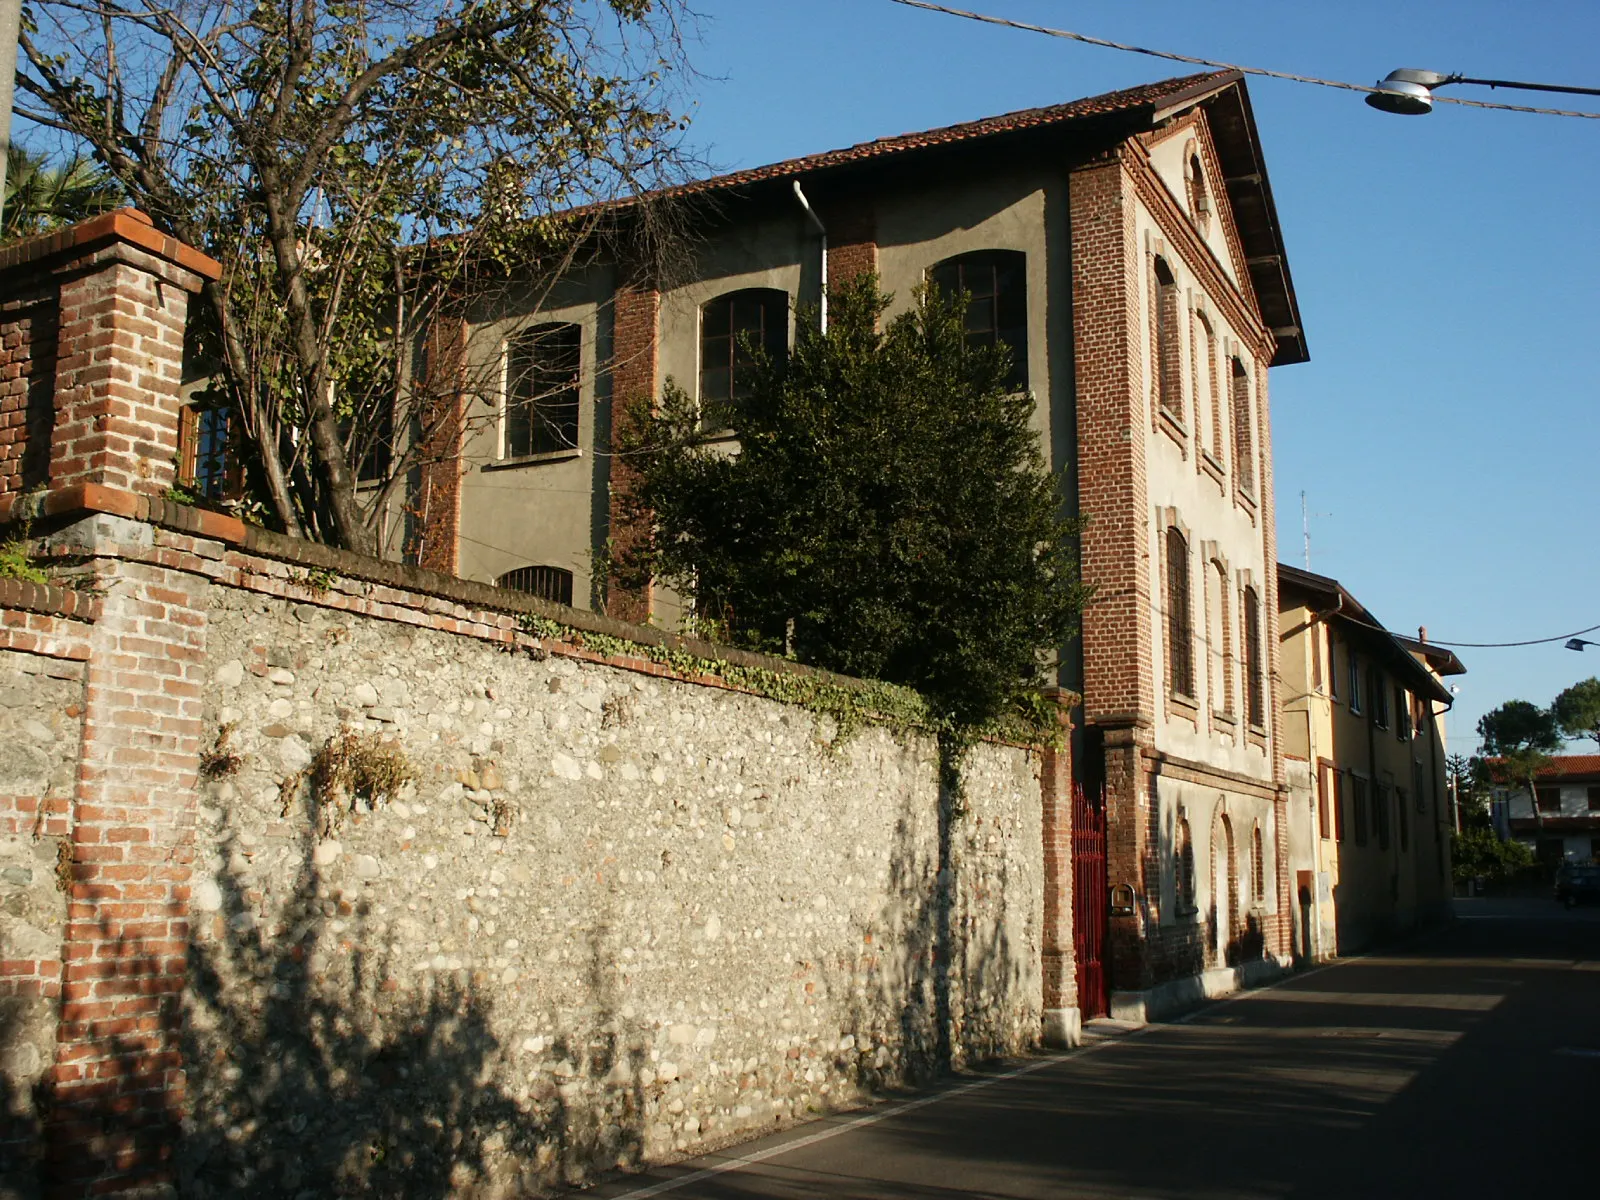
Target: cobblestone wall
(613, 917)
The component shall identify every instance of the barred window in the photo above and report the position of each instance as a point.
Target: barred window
(548, 583)
(1244, 449)
(1258, 865)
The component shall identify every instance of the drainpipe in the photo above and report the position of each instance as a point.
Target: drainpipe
(822, 232)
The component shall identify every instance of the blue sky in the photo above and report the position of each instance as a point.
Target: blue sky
(1445, 427)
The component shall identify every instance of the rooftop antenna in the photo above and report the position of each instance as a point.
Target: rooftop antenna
(1305, 526)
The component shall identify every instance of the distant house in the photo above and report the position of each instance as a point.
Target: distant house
(1561, 822)
(1369, 820)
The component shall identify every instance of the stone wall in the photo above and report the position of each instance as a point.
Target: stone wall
(40, 717)
(613, 918)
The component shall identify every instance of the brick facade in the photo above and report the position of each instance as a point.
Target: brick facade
(852, 238)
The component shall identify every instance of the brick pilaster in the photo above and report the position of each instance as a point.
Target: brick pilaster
(1113, 495)
(92, 323)
(636, 319)
(437, 544)
(118, 1081)
(852, 226)
(1062, 1015)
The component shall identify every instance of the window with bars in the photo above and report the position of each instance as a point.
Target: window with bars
(736, 330)
(1169, 354)
(1255, 676)
(207, 462)
(540, 414)
(1180, 629)
(996, 286)
(548, 583)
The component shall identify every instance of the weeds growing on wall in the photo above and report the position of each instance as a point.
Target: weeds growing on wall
(221, 760)
(15, 563)
(350, 769)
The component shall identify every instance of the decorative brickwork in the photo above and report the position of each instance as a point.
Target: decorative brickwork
(636, 317)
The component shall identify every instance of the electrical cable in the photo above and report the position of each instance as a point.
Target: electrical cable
(1226, 66)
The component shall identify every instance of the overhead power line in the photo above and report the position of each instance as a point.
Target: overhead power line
(1226, 66)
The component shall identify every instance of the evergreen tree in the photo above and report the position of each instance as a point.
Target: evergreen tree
(887, 514)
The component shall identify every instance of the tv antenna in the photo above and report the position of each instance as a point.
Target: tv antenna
(1305, 526)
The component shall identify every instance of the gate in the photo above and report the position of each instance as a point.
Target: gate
(1090, 897)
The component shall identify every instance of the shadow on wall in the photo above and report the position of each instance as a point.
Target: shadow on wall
(315, 1070)
(19, 1111)
(931, 989)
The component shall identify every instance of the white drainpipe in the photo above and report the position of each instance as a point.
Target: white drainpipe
(822, 231)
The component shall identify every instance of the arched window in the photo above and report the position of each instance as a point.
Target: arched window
(548, 583)
(540, 414)
(1244, 447)
(1168, 365)
(1180, 631)
(734, 328)
(1258, 866)
(1256, 698)
(996, 283)
(1199, 194)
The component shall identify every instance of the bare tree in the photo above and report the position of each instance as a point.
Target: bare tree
(365, 171)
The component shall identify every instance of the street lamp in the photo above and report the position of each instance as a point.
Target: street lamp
(1579, 643)
(1409, 91)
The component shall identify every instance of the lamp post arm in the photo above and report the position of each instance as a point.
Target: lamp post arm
(1525, 87)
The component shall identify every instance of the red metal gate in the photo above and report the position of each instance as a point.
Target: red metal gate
(1090, 898)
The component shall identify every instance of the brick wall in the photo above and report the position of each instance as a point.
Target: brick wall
(852, 238)
(91, 330)
(438, 525)
(636, 317)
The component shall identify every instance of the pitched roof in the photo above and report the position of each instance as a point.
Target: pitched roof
(1359, 622)
(1571, 766)
(1133, 109)
(1149, 96)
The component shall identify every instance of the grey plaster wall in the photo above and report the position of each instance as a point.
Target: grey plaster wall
(614, 918)
(40, 735)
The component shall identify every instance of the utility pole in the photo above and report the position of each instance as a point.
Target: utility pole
(10, 30)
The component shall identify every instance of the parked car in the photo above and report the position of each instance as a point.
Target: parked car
(1578, 883)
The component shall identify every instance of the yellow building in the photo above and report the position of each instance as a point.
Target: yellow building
(1369, 817)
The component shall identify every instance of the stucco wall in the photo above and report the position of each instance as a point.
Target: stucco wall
(708, 913)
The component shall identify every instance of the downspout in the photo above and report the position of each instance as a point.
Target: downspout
(822, 232)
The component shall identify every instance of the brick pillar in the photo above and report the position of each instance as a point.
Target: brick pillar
(437, 544)
(1113, 420)
(93, 343)
(117, 1086)
(1283, 944)
(636, 317)
(852, 239)
(1062, 1016)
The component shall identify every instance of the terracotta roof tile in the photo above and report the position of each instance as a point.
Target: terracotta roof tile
(1567, 766)
(1130, 99)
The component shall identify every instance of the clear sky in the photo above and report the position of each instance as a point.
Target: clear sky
(1445, 429)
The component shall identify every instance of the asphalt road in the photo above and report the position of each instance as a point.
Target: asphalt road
(1465, 1065)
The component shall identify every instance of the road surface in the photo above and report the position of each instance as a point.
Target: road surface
(1465, 1065)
